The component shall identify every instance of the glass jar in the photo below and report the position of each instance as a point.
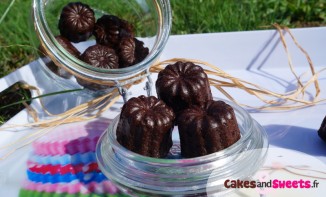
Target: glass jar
(152, 23)
(138, 175)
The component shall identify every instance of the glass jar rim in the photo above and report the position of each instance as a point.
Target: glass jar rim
(79, 67)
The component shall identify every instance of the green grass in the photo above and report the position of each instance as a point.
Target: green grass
(189, 16)
(14, 35)
(202, 16)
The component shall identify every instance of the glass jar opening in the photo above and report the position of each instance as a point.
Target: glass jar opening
(154, 19)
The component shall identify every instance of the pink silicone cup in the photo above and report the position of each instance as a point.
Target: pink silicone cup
(70, 139)
(103, 187)
(62, 169)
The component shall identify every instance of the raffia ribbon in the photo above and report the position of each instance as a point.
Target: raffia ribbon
(273, 100)
(218, 79)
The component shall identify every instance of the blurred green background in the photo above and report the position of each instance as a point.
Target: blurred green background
(189, 16)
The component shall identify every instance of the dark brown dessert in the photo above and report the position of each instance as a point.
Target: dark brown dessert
(110, 29)
(145, 126)
(126, 51)
(322, 130)
(57, 70)
(116, 45)
(131, 51)
(140, 51)
(100, 56)
(66, 44)
(76, 22)
(182, 85)
(207, 130)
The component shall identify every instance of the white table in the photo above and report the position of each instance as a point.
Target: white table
(256, 56)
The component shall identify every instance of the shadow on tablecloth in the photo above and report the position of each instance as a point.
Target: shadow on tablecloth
(296, 138)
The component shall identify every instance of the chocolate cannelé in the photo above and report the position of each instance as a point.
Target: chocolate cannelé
(77, 21)
(145, 126)
(182, 85)
(207, 130)
(322, 130)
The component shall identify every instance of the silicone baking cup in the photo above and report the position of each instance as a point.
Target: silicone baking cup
(66, 178)
(29, 193)
(63, 163)
(70, 140)
(62, 169)
(104, 187)
(75, 159)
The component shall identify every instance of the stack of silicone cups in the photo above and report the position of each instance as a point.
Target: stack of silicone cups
(63, 163)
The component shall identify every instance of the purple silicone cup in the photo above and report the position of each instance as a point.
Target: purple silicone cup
(70, 139)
